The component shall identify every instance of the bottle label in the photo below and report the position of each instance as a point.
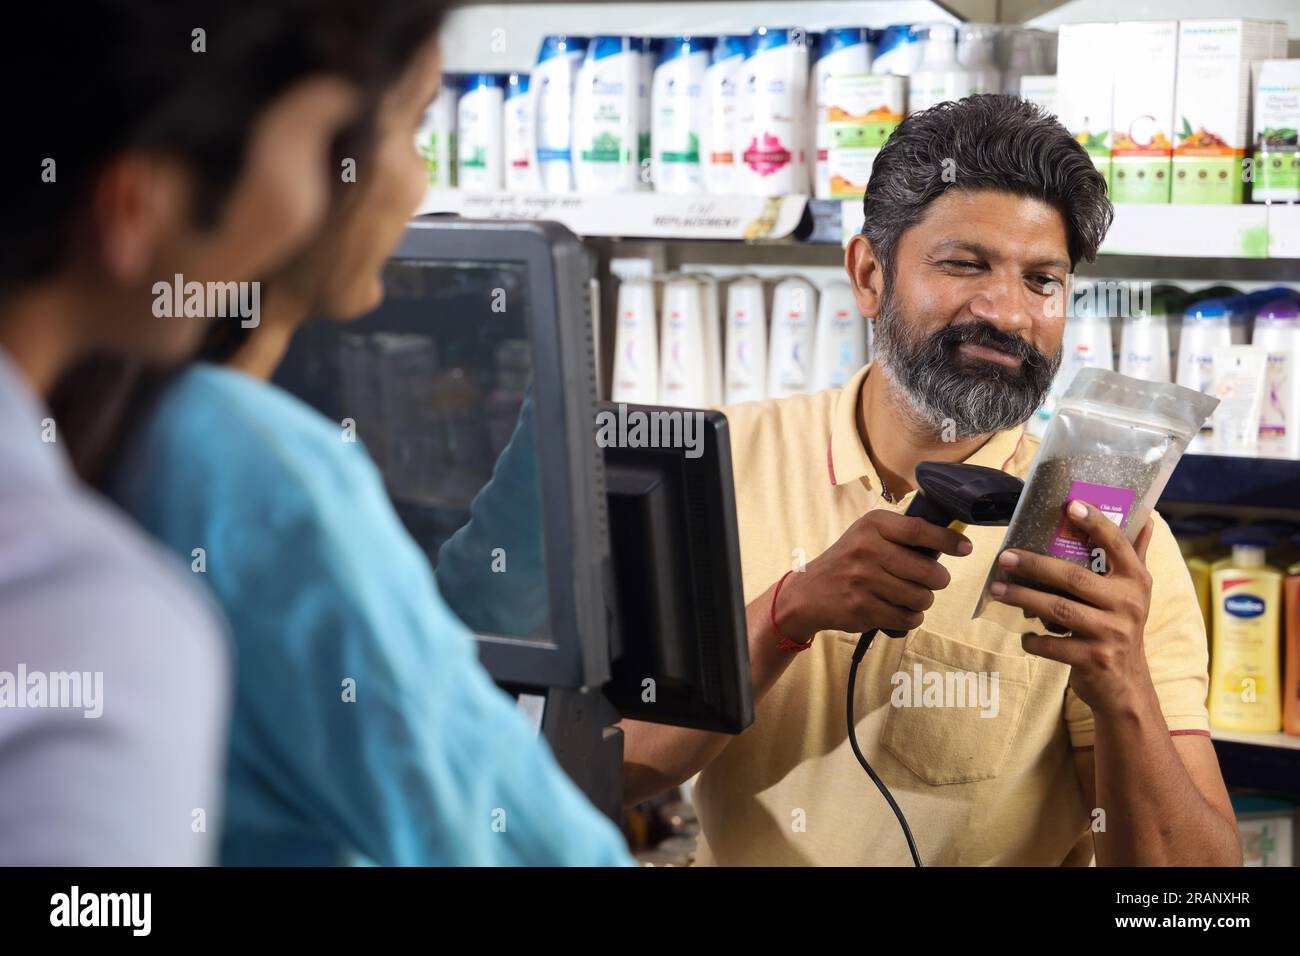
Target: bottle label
(769, 157)
(1243, 605)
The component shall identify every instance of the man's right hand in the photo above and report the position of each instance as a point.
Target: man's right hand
(871, 577)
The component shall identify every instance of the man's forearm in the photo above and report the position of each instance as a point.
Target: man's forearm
(1154, 813)
(657, 757)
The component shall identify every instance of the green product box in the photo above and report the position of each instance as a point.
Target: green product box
(1277, 118)
(1212, 106)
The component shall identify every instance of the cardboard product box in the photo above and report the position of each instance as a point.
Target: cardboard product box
(1084, 87)
(1212, 105)
(1277, 119)
(1269, 837)
(1040, 90)
(1142, 124)
(861, 112)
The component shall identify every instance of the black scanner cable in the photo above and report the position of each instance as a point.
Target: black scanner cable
(949, 494)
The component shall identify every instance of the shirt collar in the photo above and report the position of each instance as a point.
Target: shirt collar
(847, 459)
(24, 454)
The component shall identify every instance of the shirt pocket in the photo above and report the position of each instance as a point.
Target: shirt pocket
(963, 709)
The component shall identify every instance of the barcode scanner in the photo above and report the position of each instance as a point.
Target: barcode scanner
(954, 495)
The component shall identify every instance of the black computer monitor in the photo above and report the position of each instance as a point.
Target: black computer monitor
(676, 550)
(473, 389)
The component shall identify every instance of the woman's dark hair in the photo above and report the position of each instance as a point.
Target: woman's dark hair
(184, 76)
(373, 42)
(987, 141)
(397, 44)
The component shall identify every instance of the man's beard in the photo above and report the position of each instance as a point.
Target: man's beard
(958, 398)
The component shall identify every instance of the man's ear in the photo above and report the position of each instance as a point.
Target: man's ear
(866, 274)
(136, 202)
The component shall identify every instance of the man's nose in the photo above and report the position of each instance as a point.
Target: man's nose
(1001, 303)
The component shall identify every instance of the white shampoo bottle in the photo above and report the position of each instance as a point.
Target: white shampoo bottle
(790, 352)
(746, 362)
(683, 376)
(677, 115)
(841, 338)
(636, 344)
(607, 116)
(552, 83)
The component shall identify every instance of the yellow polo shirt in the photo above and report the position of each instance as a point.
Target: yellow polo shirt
(999, 789)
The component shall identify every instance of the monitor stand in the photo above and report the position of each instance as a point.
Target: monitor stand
(579, 727)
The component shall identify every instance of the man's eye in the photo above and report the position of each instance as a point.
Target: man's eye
(1045, 280)
(961, 263)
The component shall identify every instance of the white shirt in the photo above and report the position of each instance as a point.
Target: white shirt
(96, 619)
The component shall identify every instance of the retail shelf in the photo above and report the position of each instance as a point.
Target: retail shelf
(1187, 268)
(1202, 232)
(1283, 741)
(634, 215)
(1259, 761)
(1284, 231)
(1243, 243)
(1246, 233)
(1224, 480)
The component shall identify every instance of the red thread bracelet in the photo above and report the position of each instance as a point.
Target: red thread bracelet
(785, 644)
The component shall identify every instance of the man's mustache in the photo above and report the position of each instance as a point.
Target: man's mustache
(948, 339)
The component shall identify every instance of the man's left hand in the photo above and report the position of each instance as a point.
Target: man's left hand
(1106, 614)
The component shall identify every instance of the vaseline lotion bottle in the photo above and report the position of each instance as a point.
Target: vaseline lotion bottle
(1245, 680)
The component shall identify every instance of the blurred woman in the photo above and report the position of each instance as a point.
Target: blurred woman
(364, 728)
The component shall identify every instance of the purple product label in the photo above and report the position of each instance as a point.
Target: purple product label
(1112, 502)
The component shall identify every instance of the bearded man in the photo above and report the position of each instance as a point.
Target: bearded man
(1093, 744)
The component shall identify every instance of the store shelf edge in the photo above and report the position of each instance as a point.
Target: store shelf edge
(1224, 480)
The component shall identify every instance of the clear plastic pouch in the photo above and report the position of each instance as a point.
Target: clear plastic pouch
(1113, 442)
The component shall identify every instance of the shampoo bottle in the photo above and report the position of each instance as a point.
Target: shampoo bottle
(1277, 331)
(746, 362)
(677, 115)
(436, 138)
(790, 352)
(773, 128)
(606, 117)
(520, 137)
(649, 57)
(636, 344)
(897, 50)
(552, 83)
(480, 140)
(1086, 342)
(722, 112)
(683, 374)
(1246, 598)
(1205, 327)
(1144, 347)
(1239, 315)
(712, 313)
(841, 338)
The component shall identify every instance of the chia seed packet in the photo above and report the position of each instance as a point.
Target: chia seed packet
(1113, 443)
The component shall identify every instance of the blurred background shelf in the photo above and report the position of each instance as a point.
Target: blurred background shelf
(1241, 482)
(1269, 762)
(1248, 739)
(643, 215)
(1150, 242)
